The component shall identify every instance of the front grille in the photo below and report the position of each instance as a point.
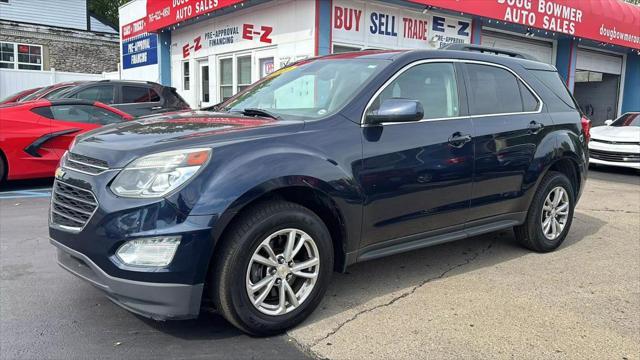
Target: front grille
(71, 206)
(614, 156)
(616, 142)
(85, 164)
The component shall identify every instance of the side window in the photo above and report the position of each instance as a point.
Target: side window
(433, 84)
(529, 102)
(102, 93)
(153, 96)
(135, 94)
(492, 90)
(84, 114)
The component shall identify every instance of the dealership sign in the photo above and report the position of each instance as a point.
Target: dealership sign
(163, 13)
(609, 21)
(226, 35)
(140, 52)
(372, 25)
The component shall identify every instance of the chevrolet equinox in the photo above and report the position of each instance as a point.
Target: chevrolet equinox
(324, 163)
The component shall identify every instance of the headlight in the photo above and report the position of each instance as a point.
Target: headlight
(156, 251)
(158, 174)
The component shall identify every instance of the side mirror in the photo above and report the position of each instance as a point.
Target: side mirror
(608, 122)
(396, 110)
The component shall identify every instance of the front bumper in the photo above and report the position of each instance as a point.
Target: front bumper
(159, 301)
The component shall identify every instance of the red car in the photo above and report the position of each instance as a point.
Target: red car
(52, 91)
(35, 134)
(19, 96)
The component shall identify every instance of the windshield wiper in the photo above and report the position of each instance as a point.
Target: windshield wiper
(260, 112)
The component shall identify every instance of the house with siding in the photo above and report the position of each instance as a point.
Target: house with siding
(56, 34)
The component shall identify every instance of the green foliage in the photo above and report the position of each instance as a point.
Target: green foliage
(107, 10)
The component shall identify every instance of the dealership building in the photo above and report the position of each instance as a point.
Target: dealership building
(210, 49)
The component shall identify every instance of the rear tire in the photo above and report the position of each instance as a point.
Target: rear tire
(550, 214)
(243, 261)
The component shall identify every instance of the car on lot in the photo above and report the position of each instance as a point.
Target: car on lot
(18, 96)
(137, 98)
(36, 134)
(49, 92)
(329, 162)
(617, 143)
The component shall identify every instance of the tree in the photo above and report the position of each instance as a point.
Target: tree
(635, 2)
(107, 10)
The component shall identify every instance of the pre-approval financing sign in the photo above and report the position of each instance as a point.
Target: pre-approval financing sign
(609, 21)
(140, 52)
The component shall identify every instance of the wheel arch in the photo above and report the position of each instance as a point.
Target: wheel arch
(297, 190)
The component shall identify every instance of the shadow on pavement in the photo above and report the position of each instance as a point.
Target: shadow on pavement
(614, 174)
(366, 281)
(369, 280)
(18, 185)
(208, 326)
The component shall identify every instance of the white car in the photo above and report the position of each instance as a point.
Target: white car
(617, 143)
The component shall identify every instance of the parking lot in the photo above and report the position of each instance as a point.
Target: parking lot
(483, 297)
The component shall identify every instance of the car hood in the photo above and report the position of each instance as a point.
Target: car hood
(616, 133)
(121, 143)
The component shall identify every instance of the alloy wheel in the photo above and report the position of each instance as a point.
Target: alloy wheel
(555, 213)
(282, 272)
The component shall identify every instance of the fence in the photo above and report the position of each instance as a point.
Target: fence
(12, 81)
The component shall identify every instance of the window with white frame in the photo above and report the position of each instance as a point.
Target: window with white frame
(186, 77)
(244, 72)
(235, 73)
(226, 78)
(20, 56)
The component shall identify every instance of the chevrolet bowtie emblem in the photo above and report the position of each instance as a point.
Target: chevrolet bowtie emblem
(59, 173)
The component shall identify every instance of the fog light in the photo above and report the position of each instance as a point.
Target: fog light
(155, 251)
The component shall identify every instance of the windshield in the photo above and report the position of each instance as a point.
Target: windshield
(630, 119)
(309, 90)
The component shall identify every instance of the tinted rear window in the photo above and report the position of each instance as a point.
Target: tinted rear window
(554, 83)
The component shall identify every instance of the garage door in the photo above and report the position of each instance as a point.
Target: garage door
(598, 61)
(541, 50)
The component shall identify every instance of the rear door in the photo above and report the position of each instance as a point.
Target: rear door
(508, 125)
(139, 100)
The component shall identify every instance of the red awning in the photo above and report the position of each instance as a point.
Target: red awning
(608, 21)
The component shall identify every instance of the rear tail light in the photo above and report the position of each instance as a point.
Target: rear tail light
(586, 128)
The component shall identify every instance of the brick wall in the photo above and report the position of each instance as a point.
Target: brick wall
(67, 50)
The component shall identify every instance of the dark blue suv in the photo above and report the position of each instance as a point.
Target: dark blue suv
(322, 164)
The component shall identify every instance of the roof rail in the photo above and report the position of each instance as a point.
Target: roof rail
(488, 50)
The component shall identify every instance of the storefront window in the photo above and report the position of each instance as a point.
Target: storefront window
(186, 80)
(338, 49)
(244, 72)
(266, 66)
(226, 78)
(20, 56)
(7, 57)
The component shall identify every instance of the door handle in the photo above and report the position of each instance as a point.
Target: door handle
(535, 127)
(156, 108)
(458, 140)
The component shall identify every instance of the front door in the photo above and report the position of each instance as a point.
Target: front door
(204, 89)
(417, 175)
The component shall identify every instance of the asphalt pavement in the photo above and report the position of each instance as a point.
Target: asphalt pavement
(482, 298)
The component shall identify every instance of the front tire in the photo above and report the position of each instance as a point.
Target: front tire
(273, 268)
(550, 214)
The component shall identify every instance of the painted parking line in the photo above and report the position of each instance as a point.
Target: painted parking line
(25, 194)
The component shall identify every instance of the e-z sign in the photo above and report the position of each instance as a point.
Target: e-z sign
(228, 35)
